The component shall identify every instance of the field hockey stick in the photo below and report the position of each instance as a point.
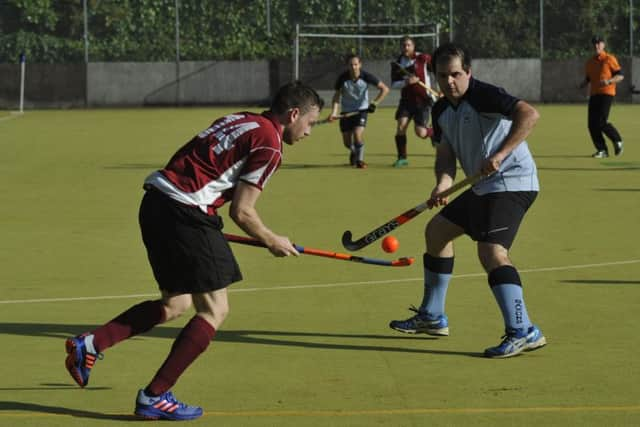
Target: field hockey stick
(341, 116)
(396, 222)
(400, 262)
(431, 91)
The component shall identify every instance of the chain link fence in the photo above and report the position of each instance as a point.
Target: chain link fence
(71, 31)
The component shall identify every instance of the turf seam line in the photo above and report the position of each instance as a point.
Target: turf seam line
(324, 285)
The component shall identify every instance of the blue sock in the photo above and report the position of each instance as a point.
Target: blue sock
(359, 150)
(437, 274)
(507, 289)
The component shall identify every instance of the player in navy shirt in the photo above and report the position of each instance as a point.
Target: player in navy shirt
(231, 160)
(352, 96)
(483, 128)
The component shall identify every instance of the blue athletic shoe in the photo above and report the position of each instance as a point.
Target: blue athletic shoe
(422, 323)
(79, 361)
(535, 339)
(165, 407)
(515, 342)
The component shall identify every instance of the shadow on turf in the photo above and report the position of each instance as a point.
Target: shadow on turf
(617, 189)
(264, 337)
(603, 282)
(57, 410)
(597, 169)
(52, 386)
(149, 166)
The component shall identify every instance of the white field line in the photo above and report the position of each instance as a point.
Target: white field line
(325, 285)
(13, 115)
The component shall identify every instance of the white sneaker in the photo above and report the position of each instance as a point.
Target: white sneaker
(617, 147)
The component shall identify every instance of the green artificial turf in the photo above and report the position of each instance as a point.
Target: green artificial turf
(307, 341)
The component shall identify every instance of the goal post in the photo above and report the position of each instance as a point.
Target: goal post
(372, 33)
(23, 60)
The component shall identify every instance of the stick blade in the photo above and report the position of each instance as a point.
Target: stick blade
(403, 262)
(348, 243)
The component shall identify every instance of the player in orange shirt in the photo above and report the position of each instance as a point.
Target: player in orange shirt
(602, 72)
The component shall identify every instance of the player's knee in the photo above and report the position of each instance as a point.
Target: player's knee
(401, 130)
(492, 255)
(436, 235)
(175, 307)
(222, 312)
(215, 315)
(213, 310)
(421, 132)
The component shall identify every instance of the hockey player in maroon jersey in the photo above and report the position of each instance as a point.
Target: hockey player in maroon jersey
(410, 72)
(231, 161)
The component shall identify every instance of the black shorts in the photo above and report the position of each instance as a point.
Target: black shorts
(348, 124)
(493, 217)
(186, 248)
(419, 113)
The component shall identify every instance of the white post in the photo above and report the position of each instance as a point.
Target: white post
(22, 71)
(360, 27)
(85, 16)
(450, 20)
(177, 31)
(296, 53)
(269, 18)
(541, 29)
(631, 28)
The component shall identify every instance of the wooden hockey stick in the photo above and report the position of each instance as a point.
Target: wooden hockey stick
(431, 91)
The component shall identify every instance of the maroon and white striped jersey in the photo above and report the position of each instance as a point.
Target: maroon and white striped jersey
(204, 172)
(418, 65)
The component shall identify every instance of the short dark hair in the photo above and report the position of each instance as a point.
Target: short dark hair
(407, 38)
(452, 50)
(351, 56)
(296, 95)
(597, 39)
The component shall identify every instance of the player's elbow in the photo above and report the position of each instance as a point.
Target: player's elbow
(534, 115)
(239, 214)
(527, 112)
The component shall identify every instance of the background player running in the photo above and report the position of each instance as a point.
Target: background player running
(408, 72)
(352, 96)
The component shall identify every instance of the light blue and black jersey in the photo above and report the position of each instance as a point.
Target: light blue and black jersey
(355, 93)
(476, 128)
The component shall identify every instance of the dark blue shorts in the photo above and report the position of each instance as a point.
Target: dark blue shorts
(418, 113)
(493, 217)
(186, 248)
(348, 124)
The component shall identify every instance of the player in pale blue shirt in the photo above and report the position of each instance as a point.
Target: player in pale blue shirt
(352, 99)
(483, 128)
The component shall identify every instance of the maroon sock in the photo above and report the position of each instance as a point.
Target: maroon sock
(401, 146)
(136, 320)
(190, 343)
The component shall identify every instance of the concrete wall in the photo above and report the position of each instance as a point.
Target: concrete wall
(145, 83)
(46, 86)
(253, 82)
(560, 80)
(519, 77)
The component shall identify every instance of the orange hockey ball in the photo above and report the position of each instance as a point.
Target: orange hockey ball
(390, 244)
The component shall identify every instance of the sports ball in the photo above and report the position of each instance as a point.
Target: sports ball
(390, 244)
